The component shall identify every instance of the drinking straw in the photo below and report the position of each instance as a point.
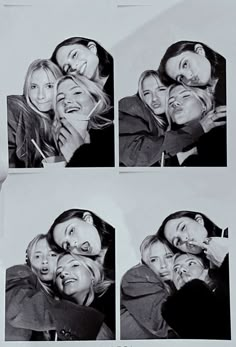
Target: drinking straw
(162, 159)
(37, 147)
(93, 109)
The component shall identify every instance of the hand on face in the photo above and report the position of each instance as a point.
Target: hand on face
(215, 249)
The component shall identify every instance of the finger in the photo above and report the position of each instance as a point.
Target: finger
(68, 126)
(199, 244)
(221, 108)
(218, 115)
(62, 140)
(64, 132)
(217, 124)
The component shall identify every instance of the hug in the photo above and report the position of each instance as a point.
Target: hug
(80, 131)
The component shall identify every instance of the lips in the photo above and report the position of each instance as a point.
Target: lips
(68, 281)
(44, 271)
(164, 274)
(70, 109)
(156, 105)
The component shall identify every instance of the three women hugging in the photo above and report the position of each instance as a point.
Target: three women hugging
(66, 109)
(178, 116)
(66, 289)
(180, 289)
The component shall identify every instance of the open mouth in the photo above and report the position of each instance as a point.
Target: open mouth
(68, 281)
(86, 247)
(72, 109)
(164, 274)
(44, 271)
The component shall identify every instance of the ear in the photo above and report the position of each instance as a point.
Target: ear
(92, 47)
(198, 48)
(87, 217)
(198, 218)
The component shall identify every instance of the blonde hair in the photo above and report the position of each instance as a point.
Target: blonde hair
(97, 120)
(98, 284)
(203, 95)
(29, 254)
(145, 247)
(143, 76)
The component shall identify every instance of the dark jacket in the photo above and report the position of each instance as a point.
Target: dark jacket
(98, 153)
(142, 296)
(24, 124)
(142, 141)
(32, 314)
(201, 311)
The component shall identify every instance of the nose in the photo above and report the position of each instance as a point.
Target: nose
(41, 93)
(155, 97)
(176, 104)
(63, 274)
(67, 101)
(163, 263)
(45, 261)
(183, 237)
(182, 270)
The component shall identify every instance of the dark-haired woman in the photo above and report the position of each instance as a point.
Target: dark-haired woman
(84, 56)
(193, 232)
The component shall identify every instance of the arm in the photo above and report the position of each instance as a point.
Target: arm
(141, 147)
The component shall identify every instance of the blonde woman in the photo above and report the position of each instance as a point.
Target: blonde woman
(143, 290)
(83, 122)
(32, 313)
(186, 105)
(30, 116)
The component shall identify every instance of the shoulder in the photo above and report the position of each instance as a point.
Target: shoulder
(21, 271)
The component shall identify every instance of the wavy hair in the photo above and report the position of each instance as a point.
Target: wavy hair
(98, 285)
(29, 254)
(216, 60)
(205, 97)
(105, 66)
(143, 76)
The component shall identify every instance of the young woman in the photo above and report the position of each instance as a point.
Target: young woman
(81, 56)
(30, 116)
(82, 232)
(193, 232)
(195, 64)
(200, 307)
(144, 288)
(31, 311)
(144, 131)
(187, 104)
(83, 123)
(81, 280)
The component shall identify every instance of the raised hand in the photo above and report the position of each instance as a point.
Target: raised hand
(212, 119)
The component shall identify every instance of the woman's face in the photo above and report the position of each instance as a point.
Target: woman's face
(41, 89)
(180, 232)
(160, 260)
(183, 105)
(189, 67)
(78, 237)
(186, 268)
(44, 261)
(72, 99)
(154, 93)
(79, 60)
(73, 278)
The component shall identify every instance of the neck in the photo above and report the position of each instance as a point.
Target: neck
(80, 297)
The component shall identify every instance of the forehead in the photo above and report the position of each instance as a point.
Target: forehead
(185, 258)
(42, 245)
(64, 51)
(151, 82)
(65, 260)
(68, 84)
(158, 248)
(177, 90)
(42, 75)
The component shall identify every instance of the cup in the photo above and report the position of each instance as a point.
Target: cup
(54, 162)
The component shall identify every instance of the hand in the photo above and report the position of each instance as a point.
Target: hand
(212, 119)
(215, 248)
(69, 139)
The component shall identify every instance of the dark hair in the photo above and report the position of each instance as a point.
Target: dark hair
(212, 228)
(217, 61)
(105, 59)
(105, 230)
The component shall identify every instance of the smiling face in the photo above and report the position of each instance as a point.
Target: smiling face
(78, 59)
(160, 260)
(41, 89)
(73, 279)
(191, 68)
(154, 93)
(187, 267)
(78, 237)
(183, 105)
(181, 231)
(72, 99)
(44, 261)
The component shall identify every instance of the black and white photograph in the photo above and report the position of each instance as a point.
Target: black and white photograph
(172, 101)
(60, 279)
(62, 113)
